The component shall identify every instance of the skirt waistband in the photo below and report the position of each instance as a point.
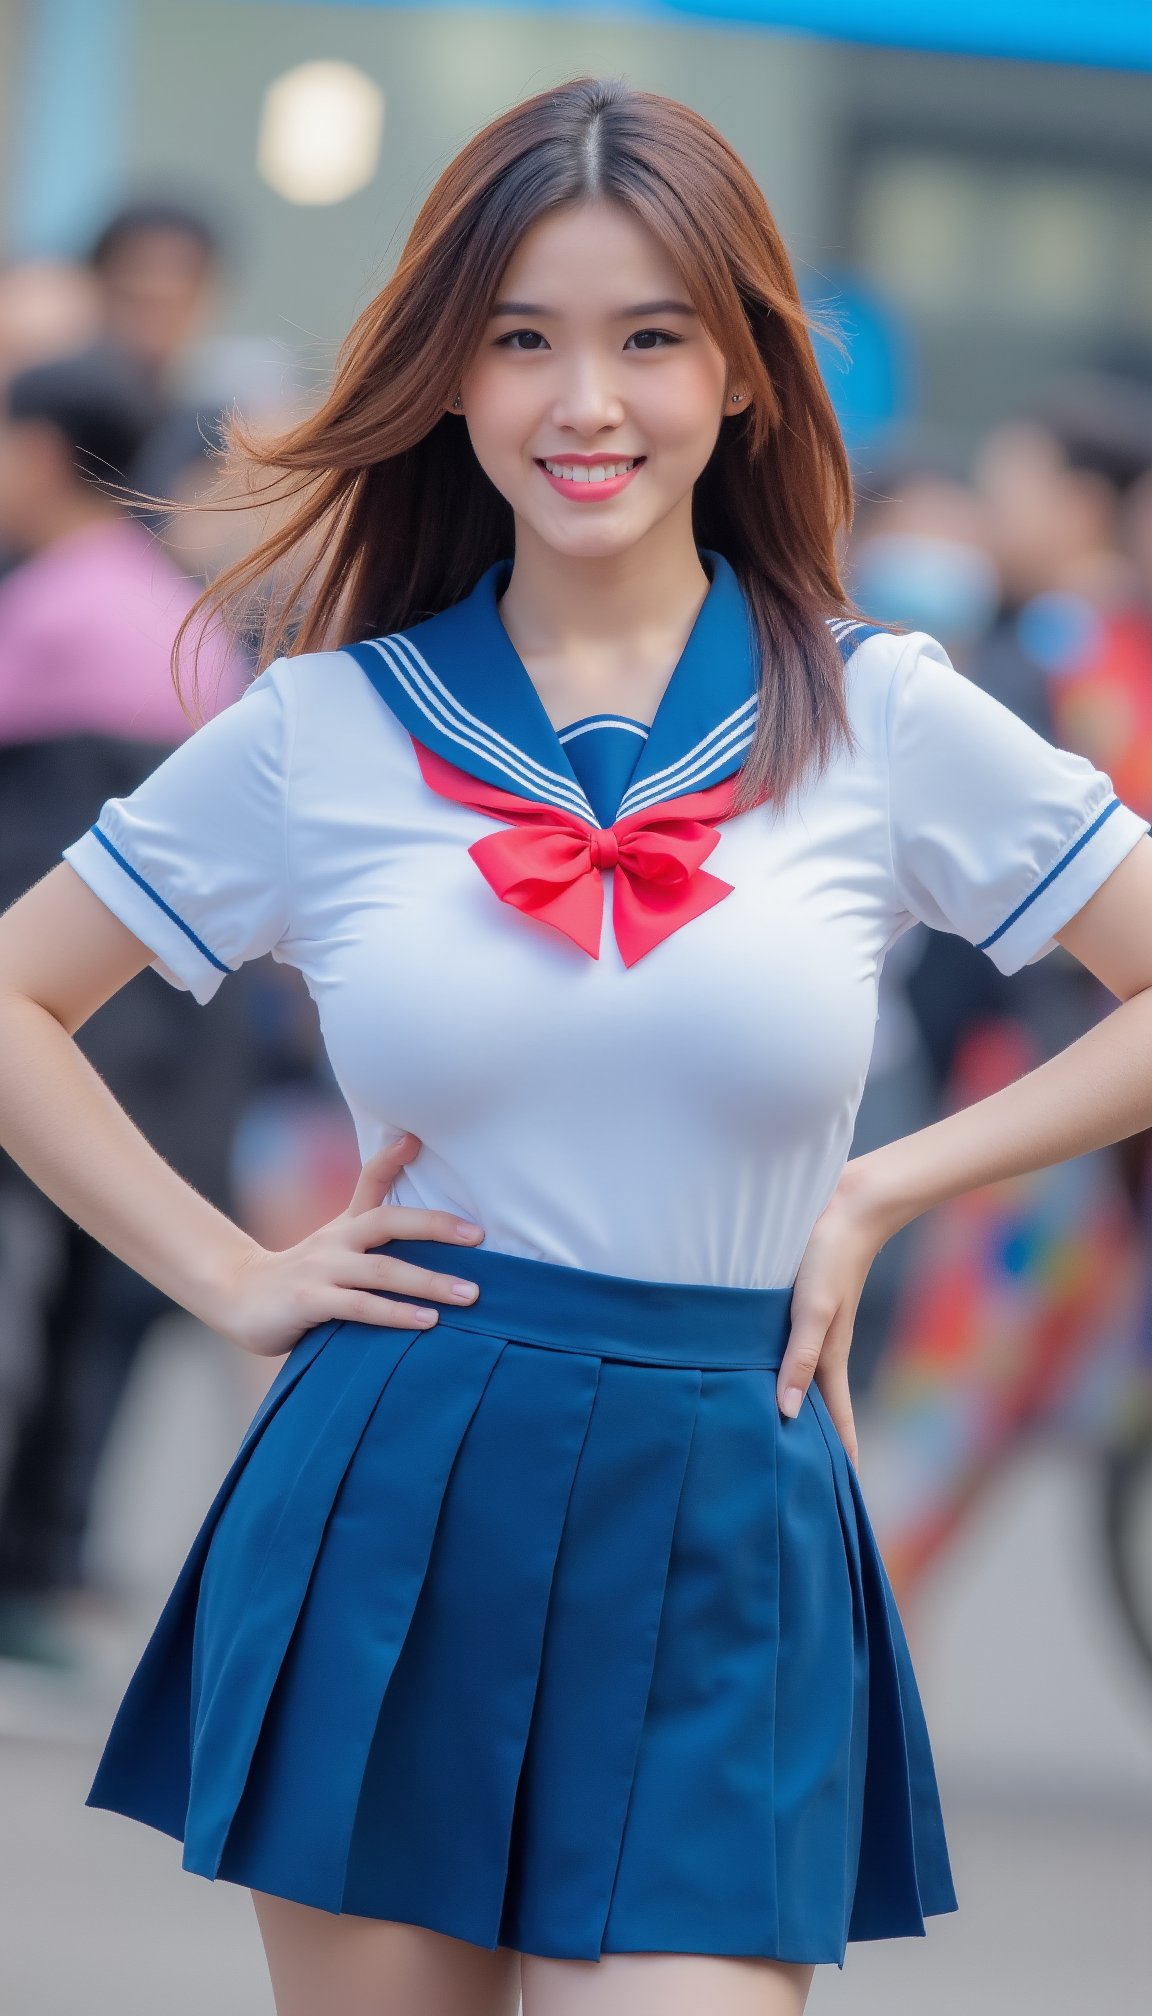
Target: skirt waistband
(609, 1315)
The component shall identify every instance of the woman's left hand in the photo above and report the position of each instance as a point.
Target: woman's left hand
(841, 1247)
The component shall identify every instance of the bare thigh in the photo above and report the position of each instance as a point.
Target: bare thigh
(324, 1964)
(664, 1984)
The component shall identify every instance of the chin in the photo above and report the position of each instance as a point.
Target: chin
(593, 545)
(570, 529)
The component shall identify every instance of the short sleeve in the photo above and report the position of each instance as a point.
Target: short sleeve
(997, 835)
(194, 860)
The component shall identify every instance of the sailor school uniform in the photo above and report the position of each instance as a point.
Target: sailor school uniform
(686, 1116)
(443, 1643)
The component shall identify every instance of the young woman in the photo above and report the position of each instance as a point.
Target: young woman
(537, 1637)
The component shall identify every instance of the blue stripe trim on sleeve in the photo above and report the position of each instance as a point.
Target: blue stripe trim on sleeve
(167, 909)
(1051, 875)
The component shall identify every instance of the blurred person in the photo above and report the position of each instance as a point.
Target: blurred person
(1045, 531)
(922, 555)
(1102, 417)
(1099, 667)
(48, 307)
(87, 708)
(924, 552)
(1087, 625)
(516, 1551)
(1101, 676)
(1136, 541)
(1064, 650)
(1053, 521)
(975, 559)
(1136, 537)
(91, 612)
(1006, 1291)
(158, 263)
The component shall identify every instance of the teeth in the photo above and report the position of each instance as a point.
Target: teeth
(599, 472)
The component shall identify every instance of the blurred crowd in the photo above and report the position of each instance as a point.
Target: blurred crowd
(1030, 559)
(112, 383)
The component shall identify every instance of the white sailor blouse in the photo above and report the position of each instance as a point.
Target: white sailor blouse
(630, 1028)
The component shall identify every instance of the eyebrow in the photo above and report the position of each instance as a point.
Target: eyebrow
(621, 315)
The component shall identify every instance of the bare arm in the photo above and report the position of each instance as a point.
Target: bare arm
(62, 955)
(1095, 1091)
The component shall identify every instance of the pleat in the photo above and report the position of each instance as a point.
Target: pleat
(261, 1559)
(544, 1649)
(432, 1836)
(697, 1868)
(596, 1662)
(901, 1871)
(295, 1815)
(145, 1765)
(903, 1753)
(821, 1734)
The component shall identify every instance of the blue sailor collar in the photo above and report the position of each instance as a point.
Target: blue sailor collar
(457, 684)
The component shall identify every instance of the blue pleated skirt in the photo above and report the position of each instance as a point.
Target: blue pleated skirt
(544, 1628)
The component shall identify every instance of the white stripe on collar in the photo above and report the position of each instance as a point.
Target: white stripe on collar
(453, 720)
(697, 762)
(619, 721)
(690, 771)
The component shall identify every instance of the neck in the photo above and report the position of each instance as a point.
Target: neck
(605, 629)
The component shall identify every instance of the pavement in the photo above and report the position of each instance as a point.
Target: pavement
(1041, 1725)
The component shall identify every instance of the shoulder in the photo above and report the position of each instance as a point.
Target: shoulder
(334, 716)
(875, 659)
(904, 694)
(886, 671)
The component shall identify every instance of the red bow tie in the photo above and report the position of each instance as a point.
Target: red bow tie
(549, 863)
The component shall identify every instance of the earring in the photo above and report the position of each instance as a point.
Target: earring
(456, 400)
(736, 396)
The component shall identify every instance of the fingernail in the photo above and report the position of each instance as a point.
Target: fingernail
(465, 1291)
(791, 1402)
(466, 1228)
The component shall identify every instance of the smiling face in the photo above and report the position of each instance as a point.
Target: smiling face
(594, 357)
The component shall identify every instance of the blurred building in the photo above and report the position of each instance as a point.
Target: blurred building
(985, 222)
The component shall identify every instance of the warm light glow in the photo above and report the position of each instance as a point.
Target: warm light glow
(320, 132)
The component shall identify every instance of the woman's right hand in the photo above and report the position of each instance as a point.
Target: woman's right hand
(272, 1298)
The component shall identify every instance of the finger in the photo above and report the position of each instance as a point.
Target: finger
(810, 1325)
(402, 1277)
(409, 1221)
(359, 1305)
(380, 1172)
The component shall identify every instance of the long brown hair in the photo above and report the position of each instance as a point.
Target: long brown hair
(391, 518)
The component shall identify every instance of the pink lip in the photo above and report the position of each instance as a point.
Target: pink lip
(585, 493)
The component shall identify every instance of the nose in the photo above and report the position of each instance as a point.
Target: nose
(587, 401)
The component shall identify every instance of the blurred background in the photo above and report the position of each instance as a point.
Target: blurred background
(196, 197)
